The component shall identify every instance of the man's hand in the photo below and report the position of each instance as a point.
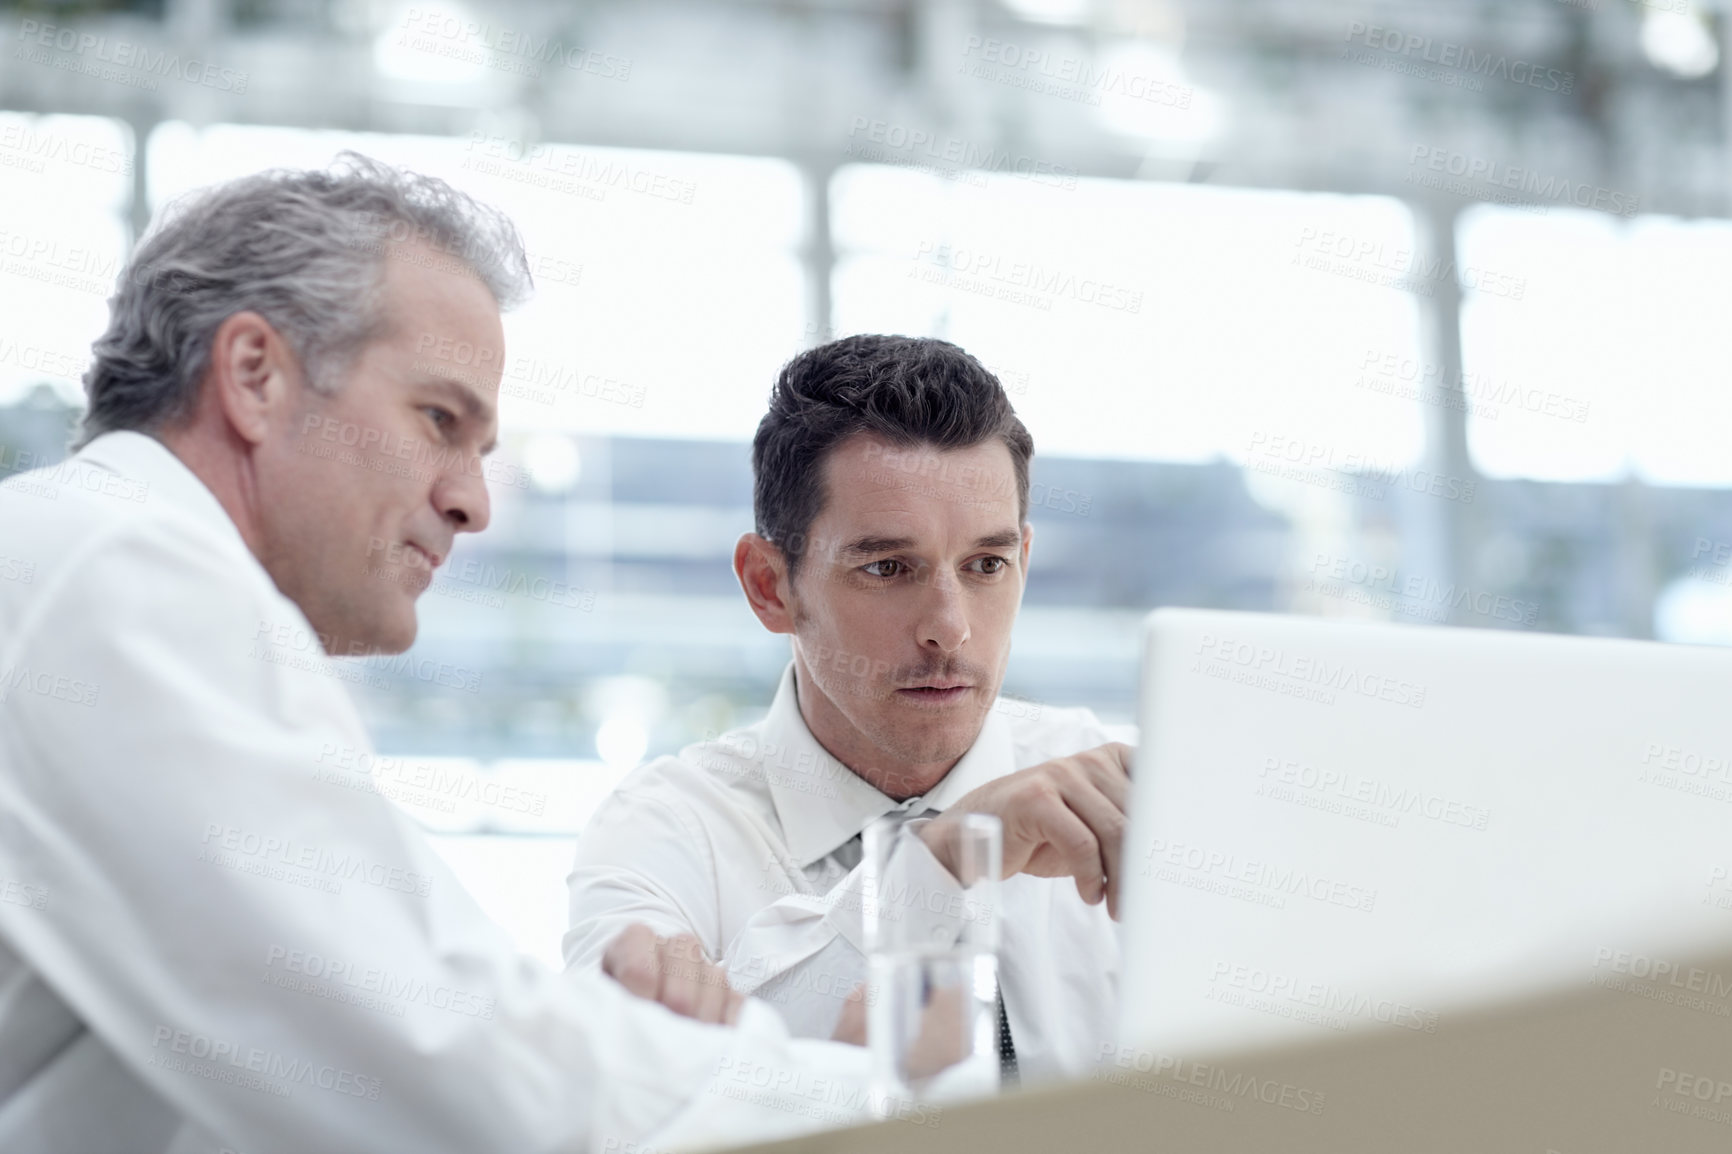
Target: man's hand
(851, 1026)
(674, 972)
(942, 1042)
(1064, 818)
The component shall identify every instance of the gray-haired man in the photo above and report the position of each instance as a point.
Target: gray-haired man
(205, 941)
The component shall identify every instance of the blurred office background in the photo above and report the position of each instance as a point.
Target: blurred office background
(1403, 311)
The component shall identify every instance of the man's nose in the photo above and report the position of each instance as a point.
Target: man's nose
(944, 623)
(462, 499)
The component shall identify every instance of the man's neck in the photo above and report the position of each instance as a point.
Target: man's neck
(223, 471)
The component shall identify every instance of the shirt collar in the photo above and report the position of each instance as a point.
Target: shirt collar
(167, 480)
(836, 804)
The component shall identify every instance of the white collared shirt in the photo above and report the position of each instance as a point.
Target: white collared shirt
(211, 937)
(749, 842)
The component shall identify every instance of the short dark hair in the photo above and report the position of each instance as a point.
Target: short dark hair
(909, 390)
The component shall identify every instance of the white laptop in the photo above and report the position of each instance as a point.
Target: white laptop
(1342, 827)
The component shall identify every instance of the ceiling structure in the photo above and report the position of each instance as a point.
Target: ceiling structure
(1343, 96)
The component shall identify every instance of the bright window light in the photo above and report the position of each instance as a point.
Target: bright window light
(64, 181)
(1680, 41)
(1142, 320)
(669, 289)
(1611, 361)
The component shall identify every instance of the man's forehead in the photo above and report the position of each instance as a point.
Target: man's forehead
(879, 491)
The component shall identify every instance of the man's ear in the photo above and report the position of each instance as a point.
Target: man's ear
(763, 572)
(252, 376)
(1027, 541)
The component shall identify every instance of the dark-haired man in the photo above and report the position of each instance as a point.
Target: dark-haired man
(892, 544)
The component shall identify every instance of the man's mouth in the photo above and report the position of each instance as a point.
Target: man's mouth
(422, 559)
(940, 693)
(417, 567)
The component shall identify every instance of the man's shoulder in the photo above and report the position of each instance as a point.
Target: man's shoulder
(725, 769)
(1042, 732)
(78, 516)
(85, 570)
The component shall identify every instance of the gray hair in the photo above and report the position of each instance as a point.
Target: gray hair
(305, 250)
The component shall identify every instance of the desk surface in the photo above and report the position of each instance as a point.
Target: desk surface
(1645, 1070)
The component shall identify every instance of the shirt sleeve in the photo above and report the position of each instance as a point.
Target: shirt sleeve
(645, 858)
(640, 859)
(273, 948)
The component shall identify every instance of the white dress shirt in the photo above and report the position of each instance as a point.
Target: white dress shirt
(750, 843)
(206, 943)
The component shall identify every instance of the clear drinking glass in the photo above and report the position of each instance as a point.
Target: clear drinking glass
(932, 950)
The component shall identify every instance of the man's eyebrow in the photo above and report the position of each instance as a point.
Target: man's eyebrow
(871, 544)
(473, 406)
(1003, 539)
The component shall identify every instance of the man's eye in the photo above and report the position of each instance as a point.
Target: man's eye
(992, 565)
(883, 568)
(443, 418)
